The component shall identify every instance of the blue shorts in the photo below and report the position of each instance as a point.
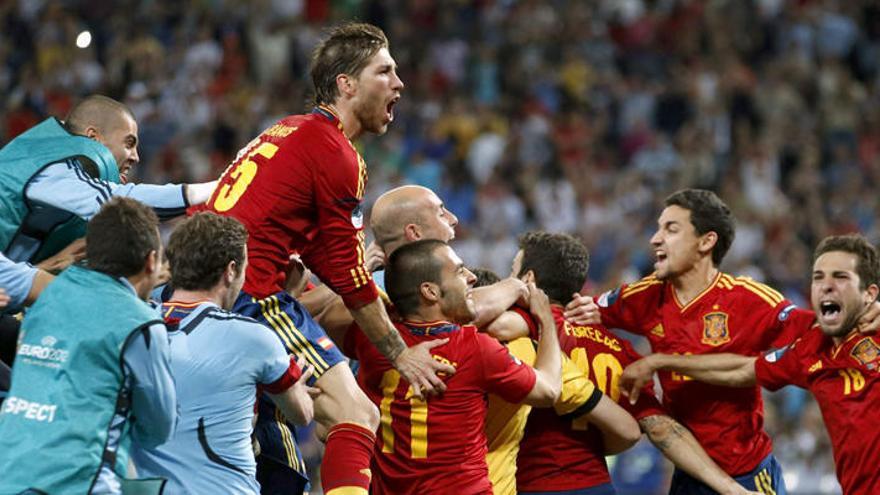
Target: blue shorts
(300, 335)
(295, 328)
(603, 489)
(766, 478)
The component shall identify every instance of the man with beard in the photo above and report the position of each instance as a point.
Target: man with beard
(297, 188)
(438, 445)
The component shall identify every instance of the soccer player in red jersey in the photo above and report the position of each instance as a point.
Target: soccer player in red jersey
(688, 306)
(562, 454)
(832, 360)
(298, 187)
(438, 445)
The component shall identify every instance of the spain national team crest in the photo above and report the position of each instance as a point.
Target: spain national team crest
(715, 331)
(866, 352)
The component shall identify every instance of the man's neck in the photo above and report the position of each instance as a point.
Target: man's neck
(343, 111)
(693, 282)
(142, 284)
(194, 296)
(426, 315)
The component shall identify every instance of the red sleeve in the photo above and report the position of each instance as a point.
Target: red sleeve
(791, 323)
(336, 254)
(631, 307)
(782, 367)
(529, 319)
(503, 374)
(286, 380)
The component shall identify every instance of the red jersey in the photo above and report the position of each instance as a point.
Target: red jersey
(733, 314)
(297, 187)
(846, 383)
(437, 446)
(563, 452)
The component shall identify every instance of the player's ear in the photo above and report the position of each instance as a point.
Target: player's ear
(346, 85)
(153, 262)
(92, 132)
(412, 232)
(230, 272)
(871, 293)
(708, 241)
(529, 277)
(430, 291)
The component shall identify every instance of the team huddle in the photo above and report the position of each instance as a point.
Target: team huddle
(467, 382)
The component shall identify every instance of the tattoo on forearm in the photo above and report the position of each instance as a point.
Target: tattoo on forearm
(662, 431)
(391, 345)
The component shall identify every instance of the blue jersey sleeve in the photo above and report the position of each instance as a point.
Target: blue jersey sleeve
(265, 344)
(16, 279)
(66, 186)
(153, 397)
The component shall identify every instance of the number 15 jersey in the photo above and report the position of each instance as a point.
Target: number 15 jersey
(438, 446)
(297, 187)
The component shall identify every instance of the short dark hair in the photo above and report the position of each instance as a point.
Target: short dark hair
(868, 264)
(708, 214)
(409, 266)
(200, 248)
(485, 277)
(98, 111)
(121, 236)
(559, 261)
(347, 49)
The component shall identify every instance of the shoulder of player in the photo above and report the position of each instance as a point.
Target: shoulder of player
(747, 287)
(230, 319)
(647, 285)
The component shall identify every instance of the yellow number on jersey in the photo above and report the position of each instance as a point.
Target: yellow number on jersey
(606, 373)
(853, 380)
(242, 174)
(418, 415)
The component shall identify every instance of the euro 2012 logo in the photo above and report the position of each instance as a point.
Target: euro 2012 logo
(44, 354)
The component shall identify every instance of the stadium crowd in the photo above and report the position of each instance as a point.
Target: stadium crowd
(554, 115)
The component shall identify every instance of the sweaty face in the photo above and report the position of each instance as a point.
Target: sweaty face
(837, 299)
(122, 140)
(437, 222)
(675, 244)
(378, 90)
(456, 288)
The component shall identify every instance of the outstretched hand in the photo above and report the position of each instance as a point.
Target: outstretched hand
(635, 377)
(421, 370)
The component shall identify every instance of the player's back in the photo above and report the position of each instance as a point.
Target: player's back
(274, 187)
(438, 446)
(217, 358)
(561, 453)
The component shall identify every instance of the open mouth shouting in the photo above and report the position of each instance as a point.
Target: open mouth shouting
(389, 108)
(830, 313)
